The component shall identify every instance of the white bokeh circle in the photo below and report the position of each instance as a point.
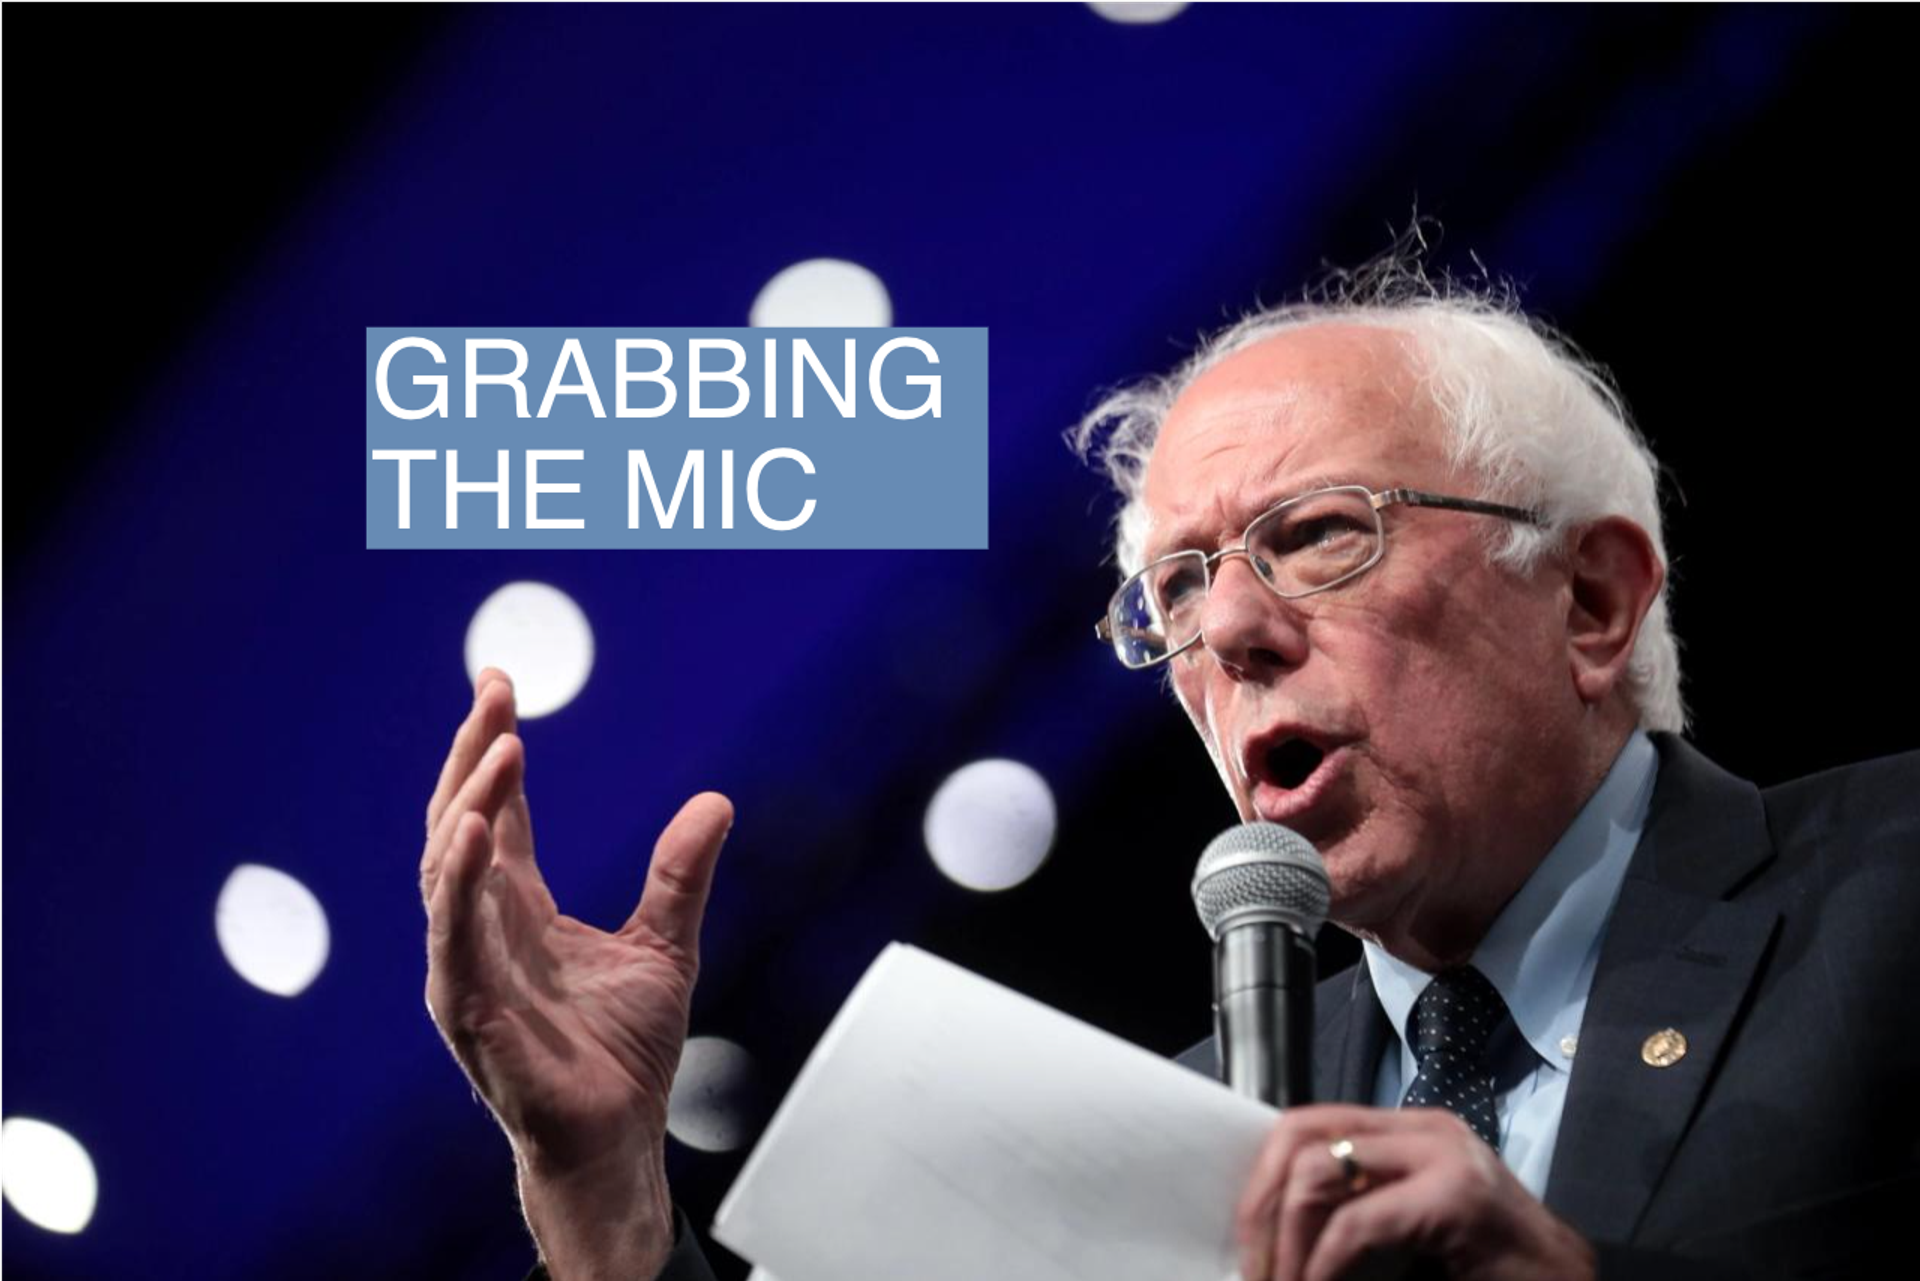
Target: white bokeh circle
(823, 292)
(537, 635)
(990, 824)
(707, 1108)
(1133, 13)
(271, 929)
(46, 1175)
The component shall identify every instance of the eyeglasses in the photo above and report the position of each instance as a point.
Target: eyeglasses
(1305, 545)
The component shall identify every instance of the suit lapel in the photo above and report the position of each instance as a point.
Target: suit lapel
(1677, 955)
(1347, 1051)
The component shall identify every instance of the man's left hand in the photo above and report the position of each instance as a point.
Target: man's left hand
(1416, 1182)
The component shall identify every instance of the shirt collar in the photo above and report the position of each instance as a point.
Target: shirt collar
(1541, 950)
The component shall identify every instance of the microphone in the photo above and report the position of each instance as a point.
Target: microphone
(1261, 890)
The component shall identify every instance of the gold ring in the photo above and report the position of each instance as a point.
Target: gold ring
(1357, 1179)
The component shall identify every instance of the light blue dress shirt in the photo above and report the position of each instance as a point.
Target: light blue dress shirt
(1540, 956)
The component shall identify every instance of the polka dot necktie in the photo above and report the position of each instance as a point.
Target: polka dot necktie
(1448, 1030)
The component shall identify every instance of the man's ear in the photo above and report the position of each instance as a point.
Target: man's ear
(1614, 576)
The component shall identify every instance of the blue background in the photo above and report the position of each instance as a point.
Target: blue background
(204, 666)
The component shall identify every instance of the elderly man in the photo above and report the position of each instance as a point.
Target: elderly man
(1619, 1012)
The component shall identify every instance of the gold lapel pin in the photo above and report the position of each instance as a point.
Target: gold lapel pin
(1664, 1048)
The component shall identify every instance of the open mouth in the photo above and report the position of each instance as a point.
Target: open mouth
(1290, 763)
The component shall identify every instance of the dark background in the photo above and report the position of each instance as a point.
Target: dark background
(203, 666)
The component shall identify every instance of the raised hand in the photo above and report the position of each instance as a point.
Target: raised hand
(571, 1034)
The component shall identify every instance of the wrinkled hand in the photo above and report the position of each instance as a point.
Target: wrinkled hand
(571, 1034)
(1432, 1188)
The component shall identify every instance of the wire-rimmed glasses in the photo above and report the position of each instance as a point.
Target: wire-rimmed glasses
(1304, 545)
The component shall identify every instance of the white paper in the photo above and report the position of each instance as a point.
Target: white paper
(948, 1129)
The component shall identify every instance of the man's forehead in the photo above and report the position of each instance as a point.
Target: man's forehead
(1327, 405)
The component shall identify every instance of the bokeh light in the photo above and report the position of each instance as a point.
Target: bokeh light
(823, 291)
(1133, 13)
(46, 1175)
(709, 1108)
(990, 824)
(537, 635)
(271, 928)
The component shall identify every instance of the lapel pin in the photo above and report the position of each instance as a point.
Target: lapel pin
(1664, 1048)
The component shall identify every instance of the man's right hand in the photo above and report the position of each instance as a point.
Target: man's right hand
(569, 1033)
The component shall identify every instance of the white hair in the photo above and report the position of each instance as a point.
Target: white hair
(1537, 423)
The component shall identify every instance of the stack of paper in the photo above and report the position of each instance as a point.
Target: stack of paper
(948, 1129)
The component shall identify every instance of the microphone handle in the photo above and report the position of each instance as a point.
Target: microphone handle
(1263, 980)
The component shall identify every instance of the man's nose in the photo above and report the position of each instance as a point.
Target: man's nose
(1249, 630)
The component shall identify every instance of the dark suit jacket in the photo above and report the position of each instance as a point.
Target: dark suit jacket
(1779, 932)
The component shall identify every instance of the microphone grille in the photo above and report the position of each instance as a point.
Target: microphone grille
(1264, 871)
